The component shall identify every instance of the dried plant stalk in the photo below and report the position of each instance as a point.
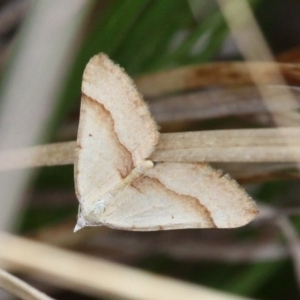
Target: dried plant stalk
(192, 247)
(215, 74)
(230, 154)
(253, 46)
(19, 288)
(287, 118)
(258, 172)
(96, 277)
(28, 101)
(37, 156)
(230, 138)
(220, 103)
(243, 145)
(293, 241)
(265, 145)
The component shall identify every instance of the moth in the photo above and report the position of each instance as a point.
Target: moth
(119, 187)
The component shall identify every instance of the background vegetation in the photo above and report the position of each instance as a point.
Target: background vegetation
(146, 36)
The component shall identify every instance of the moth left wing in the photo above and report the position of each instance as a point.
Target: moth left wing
(115, 133)
(180, 195)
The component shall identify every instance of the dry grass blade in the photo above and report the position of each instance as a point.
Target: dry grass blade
(293, 241)
(242, 145)
(264, 145)
(218, 252)
(253, 47)
(94, 276)
(229, 154)
(229, 138)
(27, 101)
(287, 118)
(37, 156)
(184, 246)
(219, 103)
(19, 288)
(258, 172)
(215, 74)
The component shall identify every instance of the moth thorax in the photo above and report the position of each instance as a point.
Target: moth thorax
(139, 170)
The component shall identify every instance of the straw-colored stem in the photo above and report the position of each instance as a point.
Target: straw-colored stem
(194, 247)
(96, 277)
(230, 154)
(215, 74)
(243, 145)
(19, 288)
(259, 172)
(219, 103)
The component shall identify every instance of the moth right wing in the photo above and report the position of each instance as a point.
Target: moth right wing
(180, 195)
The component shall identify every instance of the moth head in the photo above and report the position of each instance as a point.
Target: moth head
(80, 221)
(89, 216)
